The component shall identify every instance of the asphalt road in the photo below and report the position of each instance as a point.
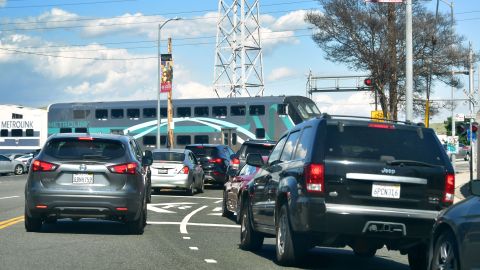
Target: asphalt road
(182, 233)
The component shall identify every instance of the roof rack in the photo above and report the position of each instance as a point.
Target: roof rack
(330, 116)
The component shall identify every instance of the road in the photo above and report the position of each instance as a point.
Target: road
(182, 233)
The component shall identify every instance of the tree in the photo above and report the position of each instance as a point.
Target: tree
(371, 37)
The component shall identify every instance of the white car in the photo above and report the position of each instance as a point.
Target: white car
(176, 168)
(11, 166)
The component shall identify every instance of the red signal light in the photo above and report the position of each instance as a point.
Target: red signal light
(474, 127)
(368, 82)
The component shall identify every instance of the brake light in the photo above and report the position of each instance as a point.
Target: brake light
(85, 138)
(184, 170)
(126, 168)
(235, 163)
(121, 209)
(200, 147)
(41, 206)
(384, 126)
(43, 166)
(449, 191)
(315, 178)
(216, 160)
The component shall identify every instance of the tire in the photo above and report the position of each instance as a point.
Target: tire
(137, 226)
(418, 257)
(191, 190)
(149, 194)
(32, 224)
(225, 211)
(202, 187)
(446, 242)
(19, 170)
(238, 217)
(288, 248)
(249, 238)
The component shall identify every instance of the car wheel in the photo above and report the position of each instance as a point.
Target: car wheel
(225, 211)
(417, 257)
(202, 187)
(285, 245)
(32, 224)
(137, 226)
(149, 194)
(249, 238)
(18, 170)
(445, 253)
(191, 190)
(238, 217)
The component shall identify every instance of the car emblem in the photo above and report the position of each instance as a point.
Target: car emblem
(83, 167)
(388, 171)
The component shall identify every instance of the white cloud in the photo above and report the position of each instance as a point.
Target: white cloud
(281, 73)
(193, 90)
(3, 3)
(292, 20)
(357, 104)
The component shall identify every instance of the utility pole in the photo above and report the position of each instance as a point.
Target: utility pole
(170, 105)
(409, 62)
(472, 109)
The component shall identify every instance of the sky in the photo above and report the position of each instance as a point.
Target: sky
(81, 34)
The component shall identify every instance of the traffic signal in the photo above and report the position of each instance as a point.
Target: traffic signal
(474, 127)
(460, 129)
(368, 82)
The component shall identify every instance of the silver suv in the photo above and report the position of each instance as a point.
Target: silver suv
(89, 176)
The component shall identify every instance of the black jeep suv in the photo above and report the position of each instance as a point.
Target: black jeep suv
(345, 181)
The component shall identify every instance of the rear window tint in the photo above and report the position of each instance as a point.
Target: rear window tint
(75, 149)
(261, 149)
(168, 156)
(383, 144)
(204, 151)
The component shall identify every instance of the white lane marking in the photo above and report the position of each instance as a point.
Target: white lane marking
(193, 248)
(194, 224)
(219, 201)
(185, 207)
(161, 207)
(183, 224)
(210, 261)
(215, 214)
(190, 197)
(9, 197)
(216, 209)
(186, 237)
(158, 210)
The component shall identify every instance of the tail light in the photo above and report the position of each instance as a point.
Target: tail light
(383, 126)
(126, 168)
(85, 138)
(43, 166)
(184, 170)
(216, 160)
(449, 191)
(315, 178)
(235, 163)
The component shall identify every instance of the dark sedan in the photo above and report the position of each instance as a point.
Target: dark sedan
(456, 235)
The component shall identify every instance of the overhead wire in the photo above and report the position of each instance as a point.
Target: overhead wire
(67, 4)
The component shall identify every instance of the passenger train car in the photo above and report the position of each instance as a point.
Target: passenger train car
(229, 121)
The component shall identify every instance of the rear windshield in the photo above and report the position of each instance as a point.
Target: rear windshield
(383, 144)
(75, 149)
(263, 150)
(204, 151)
(168, 156)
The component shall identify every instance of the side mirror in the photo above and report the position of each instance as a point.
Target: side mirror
(255, 160)
(147, 159)
(475, 187)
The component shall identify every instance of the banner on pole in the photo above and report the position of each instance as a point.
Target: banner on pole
(166, 73)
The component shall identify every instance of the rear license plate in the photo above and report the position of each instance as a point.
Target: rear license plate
(82, 178)
(162, 171)
(380, 190)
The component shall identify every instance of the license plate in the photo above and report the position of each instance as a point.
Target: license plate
(82, 178)
(162, 171)
(380, 190)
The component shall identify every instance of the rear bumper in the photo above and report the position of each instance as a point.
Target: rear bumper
(85, 206)
(313, 215)
(213, 177)
(172, 181)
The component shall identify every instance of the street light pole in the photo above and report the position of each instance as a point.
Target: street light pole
(409, 62)
(159, 55)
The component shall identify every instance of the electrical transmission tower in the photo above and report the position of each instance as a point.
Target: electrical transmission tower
(238, 67)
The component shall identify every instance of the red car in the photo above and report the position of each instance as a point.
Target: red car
(233, 189)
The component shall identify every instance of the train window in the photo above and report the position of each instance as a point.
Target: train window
(219, 111)
(184, 139)
(133, 113)
(237, 110)
(282, 109)
(184, 112)
(117, 113)
(149, 112)
(257, 110)
(17, 133)
(117, 131)
(260, 133)
(81, 130)
(101, 114)
(4, 133)
(234, 138)
(163, 112)
(201, 111)
(201, 139)
(149, 140)
(81, 114)
(17, 116)
(65, 130)
(29, 132)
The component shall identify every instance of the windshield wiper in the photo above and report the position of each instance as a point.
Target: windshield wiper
(410, 163)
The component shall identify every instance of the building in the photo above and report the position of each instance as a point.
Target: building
(22, 129)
